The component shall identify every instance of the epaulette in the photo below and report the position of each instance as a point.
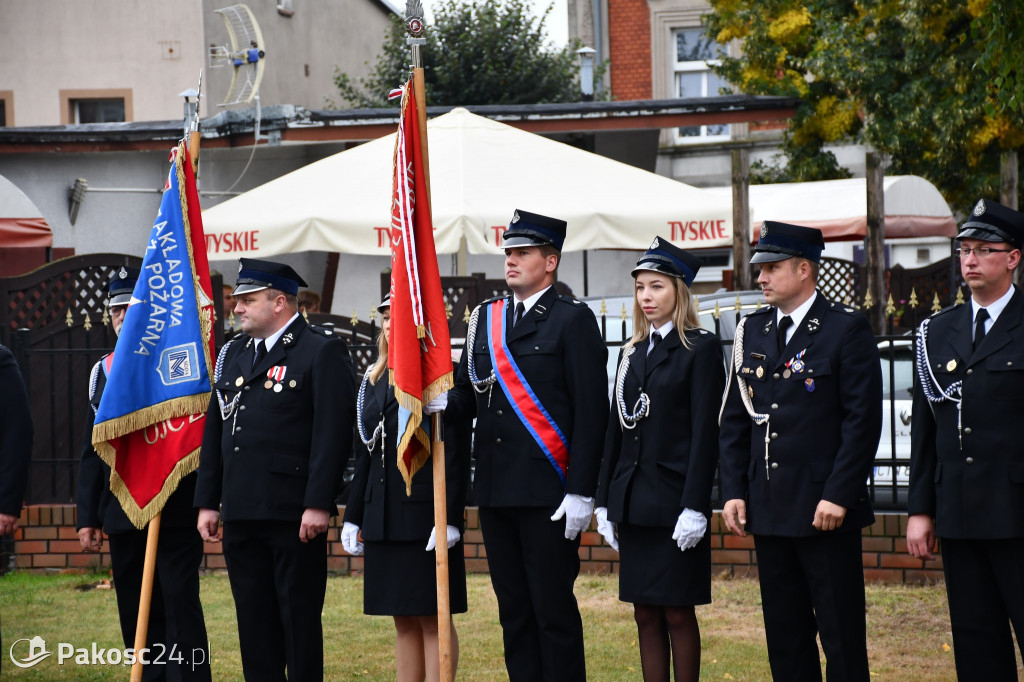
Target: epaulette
(841, 308)
(761, 311)
(571, 300)
(494, 299)
(955, 306)
(316, 328)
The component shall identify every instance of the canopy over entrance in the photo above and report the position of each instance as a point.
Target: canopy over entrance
(21, 223)
(480, 172)
(913, 207)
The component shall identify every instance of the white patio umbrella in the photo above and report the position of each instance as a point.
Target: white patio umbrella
(480, 172)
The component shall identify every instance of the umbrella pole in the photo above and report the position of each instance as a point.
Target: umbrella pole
(146, 596)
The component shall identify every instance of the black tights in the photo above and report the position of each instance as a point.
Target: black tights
(657, 626)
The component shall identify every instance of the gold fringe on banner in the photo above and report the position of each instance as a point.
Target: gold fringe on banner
(148, 416)
(415, 427)
(141, 516)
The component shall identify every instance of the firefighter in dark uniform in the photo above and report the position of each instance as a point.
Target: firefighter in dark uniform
(15, 447)
(659, 462)
(538, 452)
(967, 458)
(176, 614)
(278, 435)
(800, 426)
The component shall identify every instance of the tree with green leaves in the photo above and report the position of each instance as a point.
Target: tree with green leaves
(477, 52)
(916, 79)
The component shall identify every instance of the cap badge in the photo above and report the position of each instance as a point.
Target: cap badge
(515, 217)
(655, 244)
(979, 208)
(122, 273)
(764, 230)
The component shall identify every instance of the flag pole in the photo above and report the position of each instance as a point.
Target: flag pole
(153, 534)
(414, 24)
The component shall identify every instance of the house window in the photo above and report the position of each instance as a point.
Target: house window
(695, 54)
(110, 110)
(95, 106)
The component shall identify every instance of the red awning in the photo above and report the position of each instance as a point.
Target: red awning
(22, 225)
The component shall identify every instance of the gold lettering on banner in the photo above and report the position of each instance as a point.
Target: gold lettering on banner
(160, 431)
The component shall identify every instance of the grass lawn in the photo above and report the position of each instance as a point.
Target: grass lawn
(908, 630)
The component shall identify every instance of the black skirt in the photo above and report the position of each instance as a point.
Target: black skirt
(400, 579)
(653, 571)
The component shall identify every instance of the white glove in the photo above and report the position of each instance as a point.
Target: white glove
(350, 539)
(577, 511)
(453, 537)
(437, 404)
(690, 528)
(606, 528)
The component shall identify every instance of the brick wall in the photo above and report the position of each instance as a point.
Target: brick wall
(629, 49)
(46, 541)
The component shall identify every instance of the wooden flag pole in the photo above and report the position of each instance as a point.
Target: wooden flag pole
(414, 24)
(146, 596)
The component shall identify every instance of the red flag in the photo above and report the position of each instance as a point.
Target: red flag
(149, 425)
(419, 346)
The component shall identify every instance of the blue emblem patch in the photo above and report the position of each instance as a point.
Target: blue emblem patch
(179, 364)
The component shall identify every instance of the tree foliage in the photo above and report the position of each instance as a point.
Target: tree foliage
(908, 77)
(477, 52)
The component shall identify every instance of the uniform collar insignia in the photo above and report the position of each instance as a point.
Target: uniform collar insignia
(539, 308)
(813, 325)
(288, 338)
(767, 327)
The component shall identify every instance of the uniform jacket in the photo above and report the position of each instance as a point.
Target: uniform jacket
(667, 462)
(977, 491)
(559, 350)
(280, 452)
(377, 500)
(15, 435)
(97, 506)
(825, 421)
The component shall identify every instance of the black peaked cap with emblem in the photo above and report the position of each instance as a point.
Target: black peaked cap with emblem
(257, 275)
(668, 259)
(992, 222)
(121, 286)
(385, 304)
(779, 241)
(533, 229)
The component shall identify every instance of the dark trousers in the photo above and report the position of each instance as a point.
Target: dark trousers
(176, 635)
(278, 583)
(813, 586)
(533, 568)
(985, 588)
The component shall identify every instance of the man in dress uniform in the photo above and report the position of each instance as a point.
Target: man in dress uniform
(536, 363)
(967, 457)
(15, 446)
(176, 614)
(278, 435)
(800, 426)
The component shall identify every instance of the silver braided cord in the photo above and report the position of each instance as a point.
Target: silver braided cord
(642, 408)
(741, 383)
(94, 379)
(226, 408)
(479, 385)
(370, 442)
(925, 375)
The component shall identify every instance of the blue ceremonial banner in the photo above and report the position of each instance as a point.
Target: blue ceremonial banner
(150, 419)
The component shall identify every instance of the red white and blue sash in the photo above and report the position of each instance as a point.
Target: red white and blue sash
(521, 397)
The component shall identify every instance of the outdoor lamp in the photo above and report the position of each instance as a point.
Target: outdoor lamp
(587, 72)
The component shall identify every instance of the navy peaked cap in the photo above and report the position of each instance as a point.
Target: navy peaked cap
(121, 286)
(533, 229)
(779, 241)
(668, 259)
(256, 275)
(385, 304)
(992, 222)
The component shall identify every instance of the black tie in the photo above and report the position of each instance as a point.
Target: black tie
(979, 327)
(520, 311)
(784, 324)
(261, 352)
(655, 340)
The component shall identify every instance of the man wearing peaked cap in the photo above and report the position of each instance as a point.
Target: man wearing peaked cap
(176, 613)
(799, 430)
(538, 446)
(278, 434)
(967, 457)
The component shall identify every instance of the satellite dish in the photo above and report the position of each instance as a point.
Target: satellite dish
(245, 56)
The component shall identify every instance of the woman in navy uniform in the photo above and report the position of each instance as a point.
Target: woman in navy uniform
(659, 462)
(400, 576)
(176, 613)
